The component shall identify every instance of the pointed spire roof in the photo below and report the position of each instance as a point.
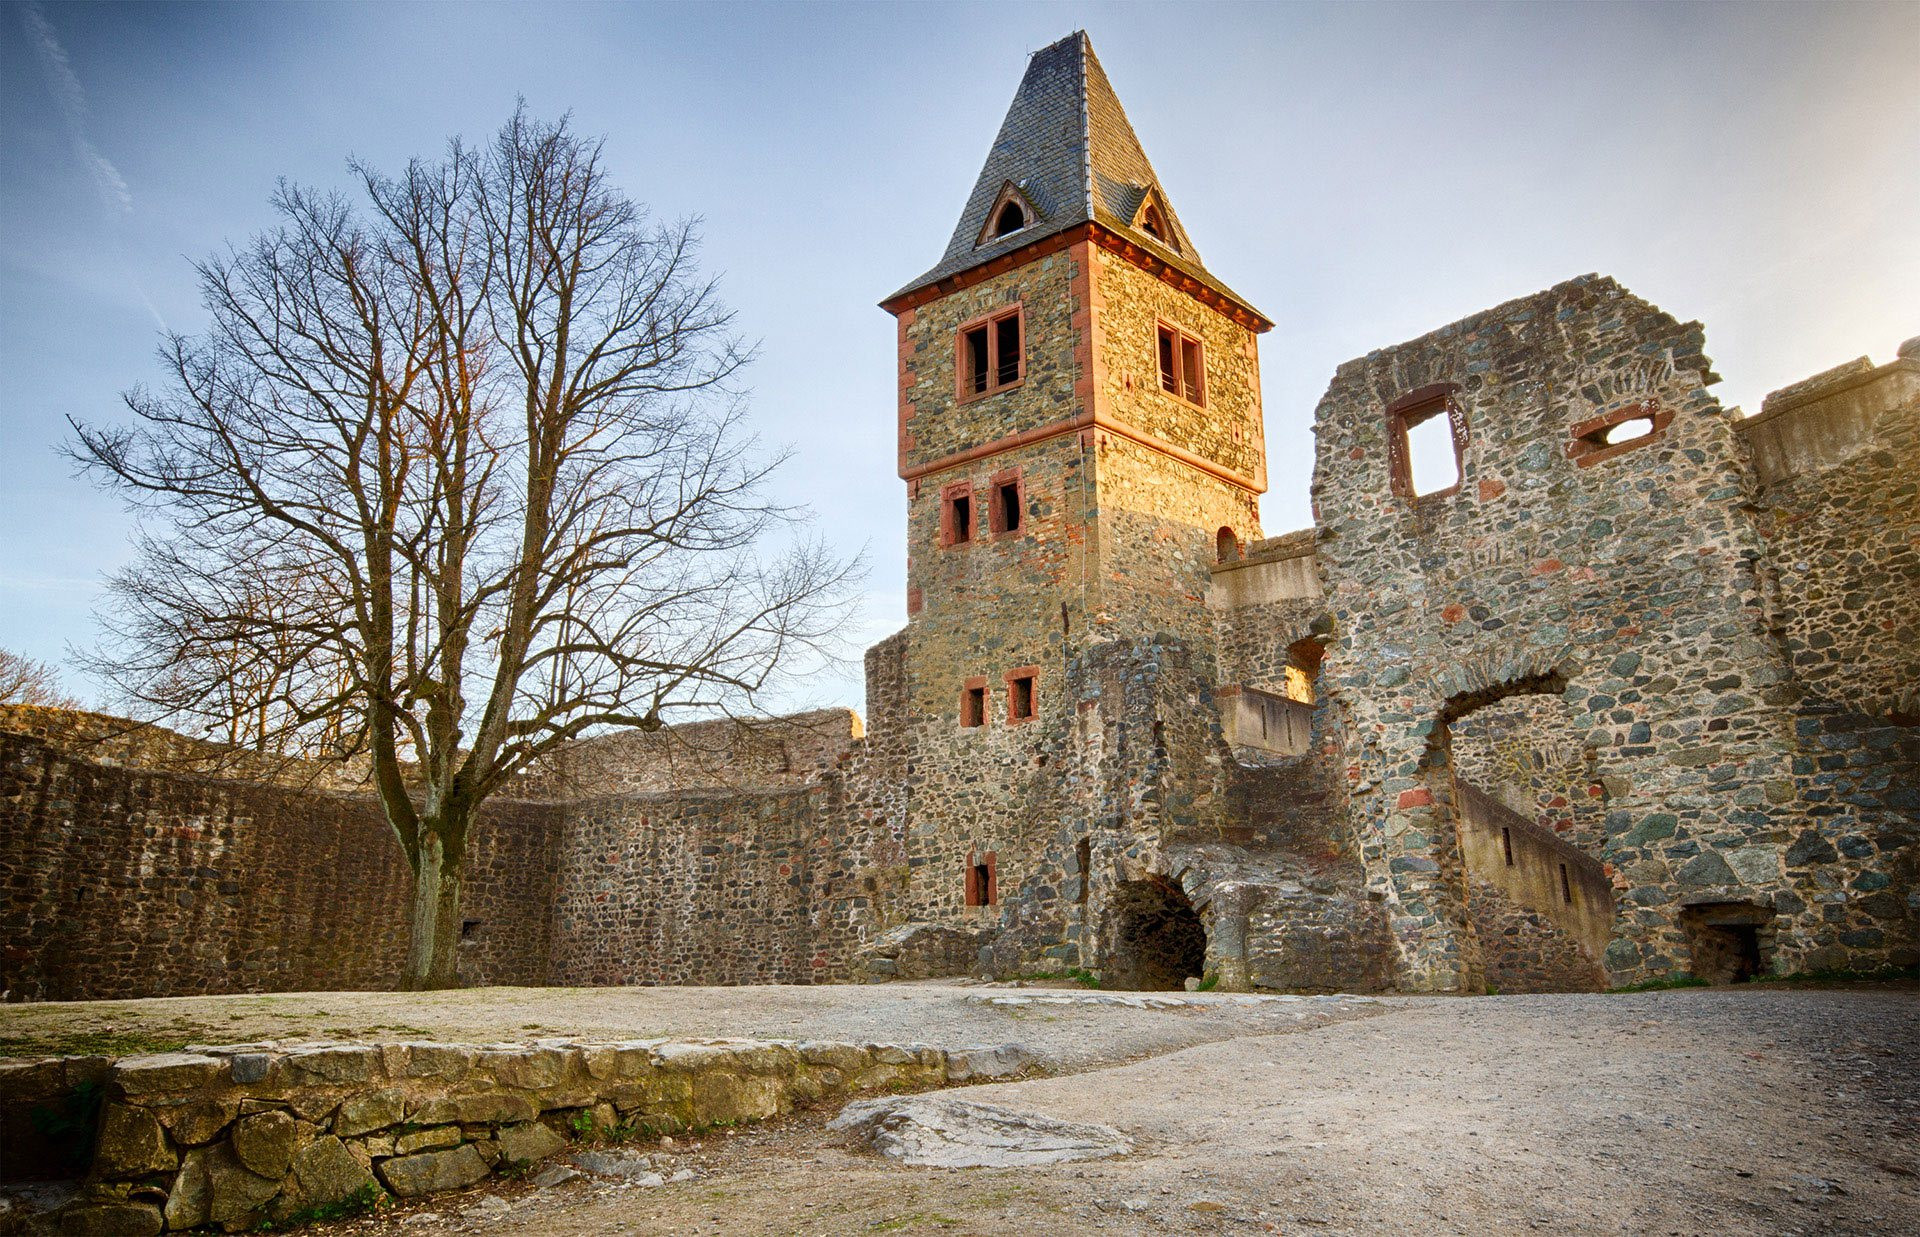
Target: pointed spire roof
(1067, 149)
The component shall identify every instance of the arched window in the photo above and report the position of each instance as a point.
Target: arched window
(1226, 546)
(1153, 223)
(1010, 219)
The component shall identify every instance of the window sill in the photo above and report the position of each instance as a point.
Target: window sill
(970, 397)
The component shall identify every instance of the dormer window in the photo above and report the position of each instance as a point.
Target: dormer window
(1153, 223)
(1012, 211)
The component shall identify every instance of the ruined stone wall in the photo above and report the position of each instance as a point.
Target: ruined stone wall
(1837, 462)
(1530, 753)
(1625, 579)
(124, 882)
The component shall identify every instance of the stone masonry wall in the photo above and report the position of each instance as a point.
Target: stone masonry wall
(122, 882)
(1631, 586)
(686, 888)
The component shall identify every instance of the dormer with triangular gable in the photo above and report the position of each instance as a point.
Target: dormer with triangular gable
(1079, 417)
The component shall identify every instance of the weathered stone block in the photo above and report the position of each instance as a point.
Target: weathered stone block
(525, 1143)
(265, 1142)
(427, 1140)
(132, 1144)
(167, 1073)
(429, 1172)
(368, 1111)
(488, 1107)
(328, 1173)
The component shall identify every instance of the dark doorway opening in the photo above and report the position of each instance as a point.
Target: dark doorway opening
(1730, 941)
(1155, 941)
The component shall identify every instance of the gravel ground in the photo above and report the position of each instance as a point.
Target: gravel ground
(1691, 1112)
(1071, 1037)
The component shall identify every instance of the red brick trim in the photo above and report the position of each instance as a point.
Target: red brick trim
(1071, 425)
(1588, 448)
(976, 894)
(1212, 297)
(916, 601)
(1032, 675)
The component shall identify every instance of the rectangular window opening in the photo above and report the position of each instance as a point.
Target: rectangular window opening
(973, 707)
(1007, 493)
(1183, 367)
(1083, 855)
(469, 929)
(1432, 462)
(978, 370)
(962, 519)
(1019, 697)
(991, 355)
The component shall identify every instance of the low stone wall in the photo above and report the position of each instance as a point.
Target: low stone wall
(232, 1137)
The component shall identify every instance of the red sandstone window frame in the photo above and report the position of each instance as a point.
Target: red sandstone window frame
(1180, 358)
(953, 524)
(983, 878)
(997, 485)
(973, 703)
(966, 386)
(1414, 408)
(1023, 690)
(1590, 445)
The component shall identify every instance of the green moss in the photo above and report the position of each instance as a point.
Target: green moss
(89, 1044)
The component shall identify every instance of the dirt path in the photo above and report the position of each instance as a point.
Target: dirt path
(1694, 1112)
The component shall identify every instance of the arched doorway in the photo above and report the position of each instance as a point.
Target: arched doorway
(1155, 941)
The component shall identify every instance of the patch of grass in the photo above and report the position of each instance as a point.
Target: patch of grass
(1660, 985)
(371, 1198)
(1208, 982)
(1077, 974)
(894, 1224)
(90, 1044)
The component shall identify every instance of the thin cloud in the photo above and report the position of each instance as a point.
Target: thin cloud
(72, 101)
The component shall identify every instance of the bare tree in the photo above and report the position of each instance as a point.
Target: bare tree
(454, 478)
(26, 681)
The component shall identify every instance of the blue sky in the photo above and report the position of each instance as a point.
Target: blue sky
(1363, 173)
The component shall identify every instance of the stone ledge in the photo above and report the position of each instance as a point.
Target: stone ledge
(232, 1136)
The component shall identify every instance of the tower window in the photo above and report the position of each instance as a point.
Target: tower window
(1426, 441)
(1010, 219)
(1153, 223)
(1008, 498)
(983, 879)
(973, 703)
(1021, 697)
(990, 357)
(956, 514)
(1183, 369)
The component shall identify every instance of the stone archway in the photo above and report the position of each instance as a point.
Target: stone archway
(1154, 938)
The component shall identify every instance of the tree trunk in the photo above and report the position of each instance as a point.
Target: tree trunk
(436, 913)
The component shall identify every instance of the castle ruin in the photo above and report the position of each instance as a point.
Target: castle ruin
(1632, 696)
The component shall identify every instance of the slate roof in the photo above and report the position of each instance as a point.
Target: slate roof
(1067, 145)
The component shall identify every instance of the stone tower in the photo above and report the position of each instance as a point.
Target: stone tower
(1080, 434)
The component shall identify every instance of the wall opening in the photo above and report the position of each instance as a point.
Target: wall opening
(1083, 858)
(1426, 441)
(973, 705)
(1226, 546)
(1011, 219)
(1730, 942)
(982, 879)
(1155, 940)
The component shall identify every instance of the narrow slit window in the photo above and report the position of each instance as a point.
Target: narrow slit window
(978, 370)
(956, 514)
(1083, 856)
(1566, 886)
(982, 879)
(1506, 843)
(1020, 695)
(1183, 365)
(973, 705)
(991, 354)
(1005, 512)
